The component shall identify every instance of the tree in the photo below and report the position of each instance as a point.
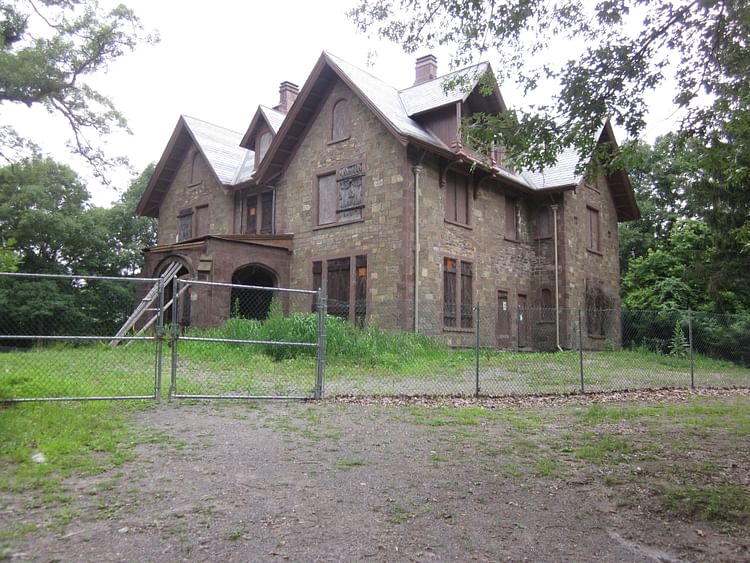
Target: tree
(704, 45)
(47, 48)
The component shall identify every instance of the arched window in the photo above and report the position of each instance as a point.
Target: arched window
(263, 144)
(196, 169)
(341, 121)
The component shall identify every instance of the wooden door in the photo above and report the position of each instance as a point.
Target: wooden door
(523, 323)
(502, 323)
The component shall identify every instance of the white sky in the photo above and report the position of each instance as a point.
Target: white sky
(218, 61)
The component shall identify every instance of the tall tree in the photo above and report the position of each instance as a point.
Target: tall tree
(47, 49)
(627, 49)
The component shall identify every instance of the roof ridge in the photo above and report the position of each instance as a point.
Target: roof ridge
(185, 116)
(446, 75)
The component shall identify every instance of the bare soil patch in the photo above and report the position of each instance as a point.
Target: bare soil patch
(397, 480)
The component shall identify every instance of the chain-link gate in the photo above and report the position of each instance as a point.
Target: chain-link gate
(63, 337)
(236, 341)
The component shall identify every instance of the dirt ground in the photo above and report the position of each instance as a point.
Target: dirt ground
(383, 481)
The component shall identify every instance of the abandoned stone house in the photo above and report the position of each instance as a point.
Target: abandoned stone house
(351, 182)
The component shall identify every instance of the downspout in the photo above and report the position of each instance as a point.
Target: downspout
(416, 169)
(557, 279)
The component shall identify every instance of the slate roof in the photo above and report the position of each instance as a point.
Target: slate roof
(233, 164)
(221, 147)
(432, 94)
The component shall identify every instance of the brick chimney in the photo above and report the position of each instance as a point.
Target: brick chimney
(425, 69)
(287, 94)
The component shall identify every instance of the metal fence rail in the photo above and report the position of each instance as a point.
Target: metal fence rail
(55, 332)
(57, 341)
(268, 348)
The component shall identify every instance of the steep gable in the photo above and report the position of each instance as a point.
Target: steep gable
(229, 163)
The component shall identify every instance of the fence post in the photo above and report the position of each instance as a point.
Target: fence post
(580, 347)
(321, 360)
(173, 337)
(690, 348)
(476, 353)
(159, 340)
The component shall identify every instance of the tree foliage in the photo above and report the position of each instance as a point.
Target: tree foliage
(47, 49)
(626, 49)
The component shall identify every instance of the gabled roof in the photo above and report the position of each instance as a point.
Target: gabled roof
(232, 163)
(451, 88)
(271, 117)
(229, 163)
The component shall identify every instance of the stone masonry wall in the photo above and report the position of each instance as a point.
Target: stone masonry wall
(582, 264)
(182, 195)
(379, 234)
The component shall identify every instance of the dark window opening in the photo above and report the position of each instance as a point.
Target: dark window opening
(260, 214)
(458, 307)
(252, 303)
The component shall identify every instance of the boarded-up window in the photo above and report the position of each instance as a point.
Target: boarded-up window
(338, 287)
(592, 229)
(341, 283)
(458, 293)
(266, 213)
(201, 220)
(449, 292)
(360, 291)
(341, 121)
(466, 295)
(511, 218)
(251, 227)
(185, 225)
(544, 222)
(340, 195)
(197, 169)
(457, 198)
(263, 143)
(327, 199)
(260, 214)
(598, 309)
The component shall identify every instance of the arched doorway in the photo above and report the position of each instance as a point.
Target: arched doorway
(183, 312)
(252, 303)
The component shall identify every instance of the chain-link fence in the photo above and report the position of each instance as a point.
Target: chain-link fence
(59, 338)
(267, 348)
(88, 337)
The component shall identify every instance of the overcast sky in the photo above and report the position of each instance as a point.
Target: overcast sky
(218, 61)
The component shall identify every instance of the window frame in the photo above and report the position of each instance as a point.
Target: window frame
(197, 164)
(515, 236)
(593, 235)
(340, 177)
(260, 213)
(462, 313)
(185, 215)
(345, 129)
(357, 298)
(451, 207)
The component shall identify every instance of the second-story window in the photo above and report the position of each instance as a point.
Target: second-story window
(341, 121)
(340, 197)
(457, 198)
(185, 225)
(260, 214)
(592, 229)
(512, 230)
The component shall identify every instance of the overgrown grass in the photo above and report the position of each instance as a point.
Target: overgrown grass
(358, 360)
(723, 504)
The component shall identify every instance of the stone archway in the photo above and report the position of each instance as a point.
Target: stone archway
(252, 303)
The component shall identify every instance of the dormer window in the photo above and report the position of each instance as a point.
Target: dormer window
(263, 143)
(341, 121)
(196, 169)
